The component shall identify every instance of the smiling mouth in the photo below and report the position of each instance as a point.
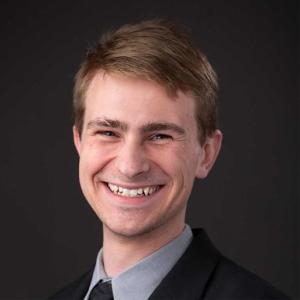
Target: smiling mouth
(138, 192)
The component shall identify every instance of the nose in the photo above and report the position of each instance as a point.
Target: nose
(132, 160)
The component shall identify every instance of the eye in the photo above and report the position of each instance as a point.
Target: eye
(106, 133)
(161, 137)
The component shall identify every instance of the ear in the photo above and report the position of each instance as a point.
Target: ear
(209, 153)
(76, 139)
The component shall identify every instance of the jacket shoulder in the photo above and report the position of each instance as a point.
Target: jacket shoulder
(74, 290)
(231, 281)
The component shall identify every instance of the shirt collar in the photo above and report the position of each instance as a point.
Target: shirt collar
(140, 280)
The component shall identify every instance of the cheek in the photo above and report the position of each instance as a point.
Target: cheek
(186, 166)
(176, 162)
(93, 158)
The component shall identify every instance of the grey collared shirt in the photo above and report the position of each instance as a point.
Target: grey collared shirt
(139, 281)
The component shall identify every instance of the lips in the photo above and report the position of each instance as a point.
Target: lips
(133, 192)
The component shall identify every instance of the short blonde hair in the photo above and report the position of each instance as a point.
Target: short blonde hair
(156, 50)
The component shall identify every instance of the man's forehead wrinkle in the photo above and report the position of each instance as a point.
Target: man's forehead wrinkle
(105, 122)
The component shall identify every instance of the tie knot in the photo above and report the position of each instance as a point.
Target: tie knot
(102, 291)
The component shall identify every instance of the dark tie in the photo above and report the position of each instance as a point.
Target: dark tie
(102, 291)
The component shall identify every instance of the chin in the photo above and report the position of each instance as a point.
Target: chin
(130, 230)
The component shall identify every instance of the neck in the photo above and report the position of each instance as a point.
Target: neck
(121, 252)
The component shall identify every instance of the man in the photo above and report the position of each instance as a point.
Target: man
(145, 127)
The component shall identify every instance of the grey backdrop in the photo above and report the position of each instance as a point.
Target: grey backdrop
(249, 203)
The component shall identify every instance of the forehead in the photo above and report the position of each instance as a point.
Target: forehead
(135, 100)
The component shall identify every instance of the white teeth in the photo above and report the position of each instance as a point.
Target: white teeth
(125, 192)
(132, 192)
(146, 191)
(151, 190)
(113, 187)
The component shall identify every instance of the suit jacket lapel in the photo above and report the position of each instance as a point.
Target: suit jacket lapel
(76, 290)
(83, 286)
(189, 276)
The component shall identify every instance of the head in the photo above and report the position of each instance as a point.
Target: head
(145, 127)
(158, 51)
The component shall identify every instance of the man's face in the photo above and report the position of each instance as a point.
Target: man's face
(139, 154)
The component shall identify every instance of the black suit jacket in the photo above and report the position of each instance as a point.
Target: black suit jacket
(201, 273)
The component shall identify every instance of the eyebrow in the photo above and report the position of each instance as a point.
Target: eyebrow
(107, 123)
(163, 126)
(149, 127)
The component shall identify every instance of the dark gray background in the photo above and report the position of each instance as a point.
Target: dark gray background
(249, 203)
